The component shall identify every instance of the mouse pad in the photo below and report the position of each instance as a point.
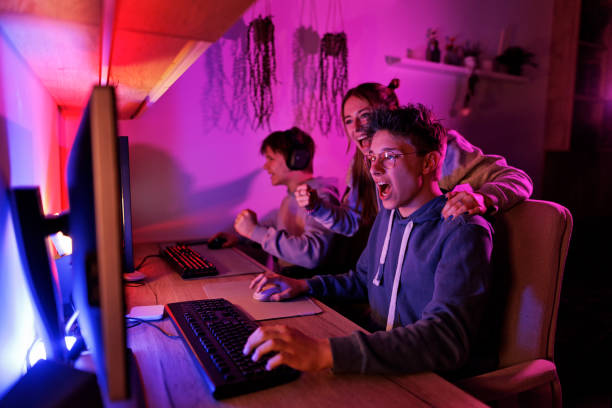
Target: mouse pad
(239, 294)
(228, 261)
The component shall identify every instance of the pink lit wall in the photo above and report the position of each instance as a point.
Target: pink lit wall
(71, 119)
(192, 172)
(29, 156)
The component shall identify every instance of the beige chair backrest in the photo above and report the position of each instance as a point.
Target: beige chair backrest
(530, 246)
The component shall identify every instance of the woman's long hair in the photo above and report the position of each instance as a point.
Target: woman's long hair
(377, 96)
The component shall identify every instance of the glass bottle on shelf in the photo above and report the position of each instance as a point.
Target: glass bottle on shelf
(432, 52)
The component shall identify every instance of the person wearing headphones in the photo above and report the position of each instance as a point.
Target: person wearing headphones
(298, 241)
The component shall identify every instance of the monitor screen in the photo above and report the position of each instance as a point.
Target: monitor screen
(126, 204)
(96, 229)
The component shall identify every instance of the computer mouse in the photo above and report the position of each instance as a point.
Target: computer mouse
(216, 243)
(264, 294)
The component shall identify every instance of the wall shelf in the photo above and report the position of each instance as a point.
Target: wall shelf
(423, 65)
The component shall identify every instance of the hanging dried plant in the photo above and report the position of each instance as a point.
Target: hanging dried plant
(213, 95)
(305, 49)
(261, 58)
(238, 110)
(333, 79)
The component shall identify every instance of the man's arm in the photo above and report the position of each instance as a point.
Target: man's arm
(292, 347)
(351, 285)
(341, 218)
(308, 249)
(501, 186)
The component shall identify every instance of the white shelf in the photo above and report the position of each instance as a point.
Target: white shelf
(450, 69)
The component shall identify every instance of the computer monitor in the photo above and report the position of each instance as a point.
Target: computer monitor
(95, 225)
(96, 229)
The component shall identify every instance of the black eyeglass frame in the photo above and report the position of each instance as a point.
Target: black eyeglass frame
(388, 158)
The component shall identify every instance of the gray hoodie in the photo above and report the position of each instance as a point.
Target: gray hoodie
(295, 237)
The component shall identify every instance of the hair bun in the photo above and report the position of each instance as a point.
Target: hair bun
(394, 84)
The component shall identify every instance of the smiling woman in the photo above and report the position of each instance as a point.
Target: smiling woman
(473, 182)
(359, 203)
(356, 116)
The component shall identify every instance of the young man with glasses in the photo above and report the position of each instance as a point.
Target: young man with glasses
(426, 278)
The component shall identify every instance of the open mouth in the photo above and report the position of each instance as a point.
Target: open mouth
(384, 189)
(364, 141)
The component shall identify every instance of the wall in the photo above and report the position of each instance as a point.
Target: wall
(29, 155)
(192, 172)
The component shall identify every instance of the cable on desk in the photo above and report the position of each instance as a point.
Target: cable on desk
(143, 283)
(144, 260)
(136, 284)
(153, 292)
(136, 322)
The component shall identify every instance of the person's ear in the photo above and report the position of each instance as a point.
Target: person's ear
(431, 162)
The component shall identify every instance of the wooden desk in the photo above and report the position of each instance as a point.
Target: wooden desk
(171, 377)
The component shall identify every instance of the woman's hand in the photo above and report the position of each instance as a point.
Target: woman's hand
(463, 201)
(287, 287)
(306, 197)
(291, 347)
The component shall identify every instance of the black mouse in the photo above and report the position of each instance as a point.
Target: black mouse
(216, 243)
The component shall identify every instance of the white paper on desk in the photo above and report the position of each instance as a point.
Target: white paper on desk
(238, 293)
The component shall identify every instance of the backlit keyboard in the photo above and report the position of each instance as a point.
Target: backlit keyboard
(216, 330)
(187, 262)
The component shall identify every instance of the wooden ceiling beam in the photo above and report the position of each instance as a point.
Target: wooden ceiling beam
(140, 46)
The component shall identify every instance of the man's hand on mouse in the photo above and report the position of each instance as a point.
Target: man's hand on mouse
(230, 239)
(291, 347)
(287, 287)
(245, 223)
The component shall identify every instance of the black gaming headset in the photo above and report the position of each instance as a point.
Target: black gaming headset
(298, 156)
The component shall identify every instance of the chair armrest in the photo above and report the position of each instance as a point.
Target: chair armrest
(509, 381)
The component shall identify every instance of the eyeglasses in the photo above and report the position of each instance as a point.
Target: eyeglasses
(387, 158)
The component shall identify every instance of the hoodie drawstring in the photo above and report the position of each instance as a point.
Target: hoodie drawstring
(398, 273)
